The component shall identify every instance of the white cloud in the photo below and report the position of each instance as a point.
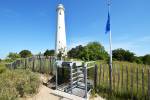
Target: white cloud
(136, 45)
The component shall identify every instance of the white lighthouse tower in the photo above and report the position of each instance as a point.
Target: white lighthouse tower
(60, 45)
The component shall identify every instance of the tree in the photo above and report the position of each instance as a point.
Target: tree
(49, 52)
(13, 56)
(146, 59)
(77, 52)
(139, 60)
(92, 51)
(96, 51)
(25, 53)
(123, 55)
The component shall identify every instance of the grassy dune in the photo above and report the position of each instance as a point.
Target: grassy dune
(17, 83)
(126, 80)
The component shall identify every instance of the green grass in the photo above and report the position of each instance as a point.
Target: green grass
(2, 68)
(121, 88)
(17, 83)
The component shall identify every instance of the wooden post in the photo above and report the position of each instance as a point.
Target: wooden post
(40, 63)
(137, 82)
(103, 73)
(25, 63)
(127, 78)
(131, 83)
(100, 74)
(149, 84)
(43, 64)
(50, 65)
(143, 82)
(33, 65)
(95, 76)
(114, 78)
(11, 66)
(122, 78)
(118, 79)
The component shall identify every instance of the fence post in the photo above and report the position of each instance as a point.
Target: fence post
(118, 79)
(95, 76)
(43, 64)
(50, 64)
(100, 74)
(25, 63)
(143, 82)
(122, 77)
(114, 77)
(11, 66)
(103, 73)
(131, 84)
(137, 82)
(127, 78)
(33, 59)
(148, 83)
(40, 63)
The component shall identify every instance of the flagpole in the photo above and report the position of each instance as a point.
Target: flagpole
(110, 42)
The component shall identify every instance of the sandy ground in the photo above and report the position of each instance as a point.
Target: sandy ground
(46, 93)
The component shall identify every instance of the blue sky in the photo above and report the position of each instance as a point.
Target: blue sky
(31, 24)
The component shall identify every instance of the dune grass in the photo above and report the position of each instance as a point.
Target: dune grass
(17, 83)
(123, 75)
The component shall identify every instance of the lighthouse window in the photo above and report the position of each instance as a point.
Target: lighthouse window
(60, 13)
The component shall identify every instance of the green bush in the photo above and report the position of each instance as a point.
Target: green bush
(18, 83)
(7, 90)
(92, 51)
(25, 53)
(2, 68)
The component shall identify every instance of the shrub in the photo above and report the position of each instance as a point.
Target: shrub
(146, 59)
(9, 60)
(123, 55)
(49, 52)
(13, 56)
(7, 90)
(92, 51)
(17, 83)
(2, 68)
(25, 53)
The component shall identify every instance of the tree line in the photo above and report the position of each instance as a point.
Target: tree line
(95, 51)
(90, 52)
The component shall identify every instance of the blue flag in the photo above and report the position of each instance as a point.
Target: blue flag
(108, 24)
